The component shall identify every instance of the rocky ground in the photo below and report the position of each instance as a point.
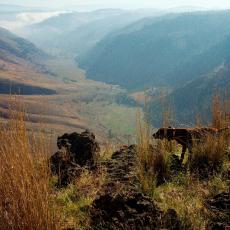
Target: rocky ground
(120, 203)
(219, 209)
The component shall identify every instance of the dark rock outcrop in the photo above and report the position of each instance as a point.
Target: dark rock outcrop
(63, 166)
(121, 205)
(122, 168)
(170, 220)
(219, 211)
(75, 151)
(83, 148)
(130, 210)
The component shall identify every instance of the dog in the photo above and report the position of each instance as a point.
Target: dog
(186, 137)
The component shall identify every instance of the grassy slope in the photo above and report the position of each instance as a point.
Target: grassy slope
(79, 103)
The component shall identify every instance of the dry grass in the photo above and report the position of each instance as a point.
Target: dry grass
(187, 195)
(107, 151)
(208, 156)
(153, 167)
(74, 201)
(217, 112)
(24, 179)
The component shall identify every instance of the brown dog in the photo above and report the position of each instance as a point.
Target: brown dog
(185, 137)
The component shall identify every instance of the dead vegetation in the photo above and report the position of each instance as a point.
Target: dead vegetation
(25, 193)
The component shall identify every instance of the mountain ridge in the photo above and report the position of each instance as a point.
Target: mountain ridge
(146, 56)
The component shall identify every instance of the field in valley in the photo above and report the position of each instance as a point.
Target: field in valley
(78, 104)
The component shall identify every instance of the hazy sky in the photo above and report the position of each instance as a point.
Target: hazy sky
(122, 3)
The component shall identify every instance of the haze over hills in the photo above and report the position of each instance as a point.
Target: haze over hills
(8, 8)
(156, 54)
(82, 95)
(75, 33)
(13, 47)
(211, 72)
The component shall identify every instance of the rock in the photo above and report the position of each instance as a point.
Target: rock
(226, 174)
(124, 211)
(219, 211)
(63, 166)
(170, 220)
(121, 204)
(75, 151)
(122, 168)
(83, 148)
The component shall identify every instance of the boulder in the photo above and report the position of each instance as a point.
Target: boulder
(82, 147)
(170, 220)
(63, 166)
(219, 211)
(121, 204)
(75, 151)
(124, 211)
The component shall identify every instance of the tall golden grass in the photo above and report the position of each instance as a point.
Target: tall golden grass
(208, 156)
(25, 194)
(209, 153)
(153, 160)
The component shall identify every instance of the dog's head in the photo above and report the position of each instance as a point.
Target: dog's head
(160, 134)
(164, 133)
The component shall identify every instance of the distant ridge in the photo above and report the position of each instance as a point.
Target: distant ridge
(152, 54)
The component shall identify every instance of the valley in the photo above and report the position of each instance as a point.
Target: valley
(97, 69)
(115, 118)
(66, 102)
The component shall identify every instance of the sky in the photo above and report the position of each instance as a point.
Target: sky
(162, 4)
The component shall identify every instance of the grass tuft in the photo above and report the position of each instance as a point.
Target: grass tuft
(153, 159)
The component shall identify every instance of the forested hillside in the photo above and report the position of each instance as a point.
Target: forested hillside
(194, 100)
(163, 52)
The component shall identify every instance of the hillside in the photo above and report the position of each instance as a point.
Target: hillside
(157, 54)
(194, 99)
(56, 93)
(13, 46)
(20, 62)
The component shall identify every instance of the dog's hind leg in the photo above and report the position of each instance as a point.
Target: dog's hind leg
(190, 152)
(184, 147)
